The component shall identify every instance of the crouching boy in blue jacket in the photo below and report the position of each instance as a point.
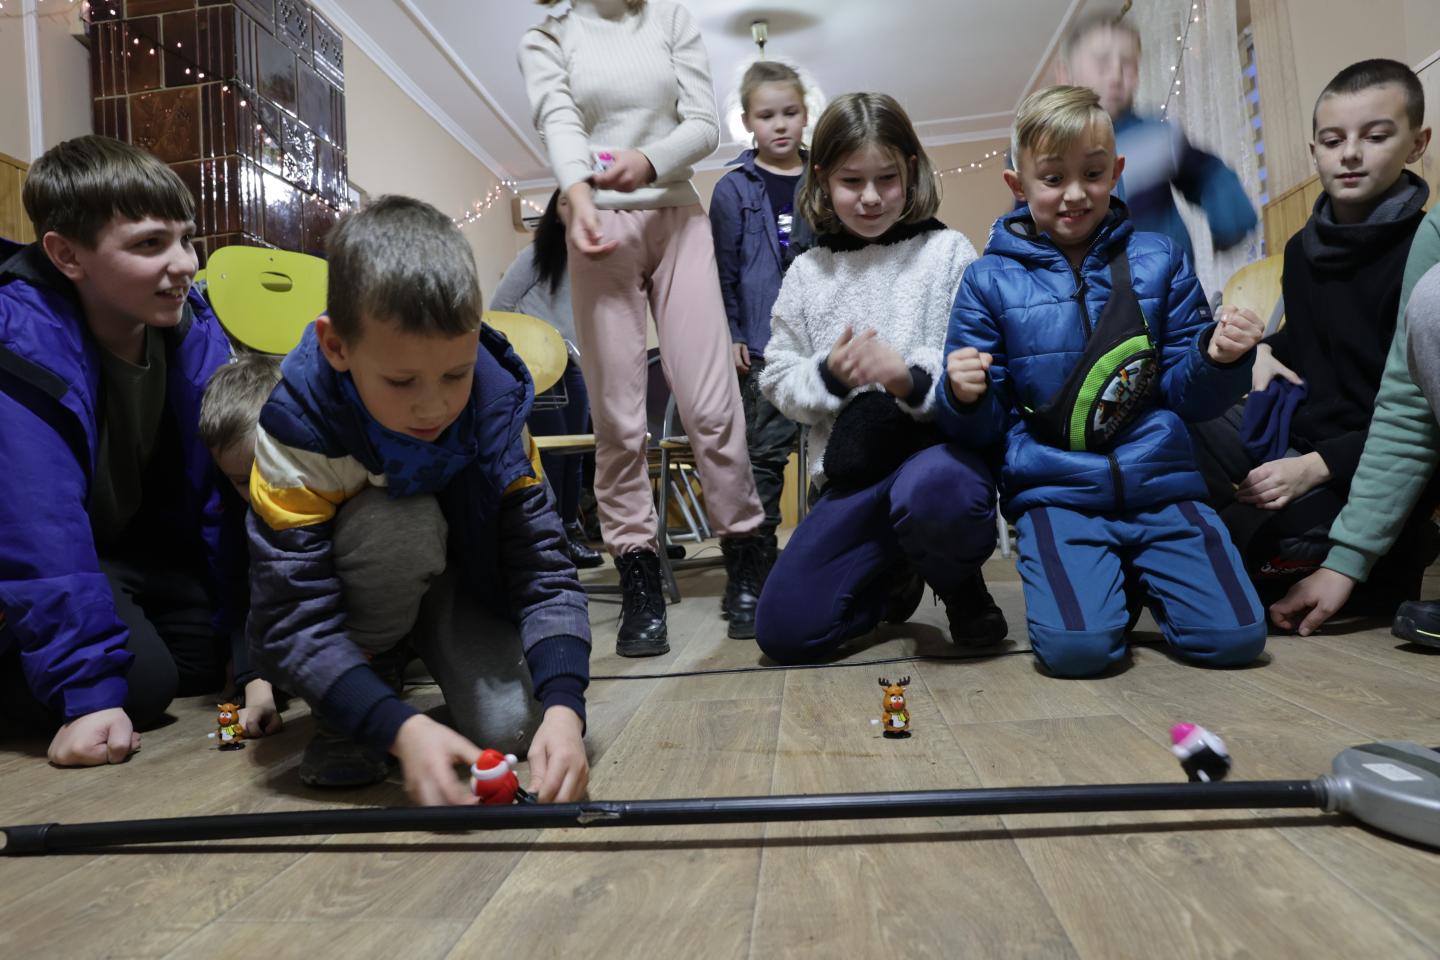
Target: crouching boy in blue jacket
(393, 486)
(1084, 346)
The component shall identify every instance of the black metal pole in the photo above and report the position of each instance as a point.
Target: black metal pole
(57, 837)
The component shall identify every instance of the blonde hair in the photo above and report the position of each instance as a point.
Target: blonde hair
(850, 123)
(768, 71)
(1051, 119)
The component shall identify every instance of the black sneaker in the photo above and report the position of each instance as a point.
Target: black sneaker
(1418, 621)
(975, 619)
(333, 760)
(581, 553)
(745, 575)
(905, 594)
(642, 607)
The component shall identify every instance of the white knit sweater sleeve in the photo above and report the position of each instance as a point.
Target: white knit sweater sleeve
(791, 379)
(952, 252)
(556, 116)
(698, 133)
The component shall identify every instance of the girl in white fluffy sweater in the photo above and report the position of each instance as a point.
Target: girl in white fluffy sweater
(858, 333)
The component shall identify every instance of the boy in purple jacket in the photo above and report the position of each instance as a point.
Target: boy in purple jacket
(123, 556)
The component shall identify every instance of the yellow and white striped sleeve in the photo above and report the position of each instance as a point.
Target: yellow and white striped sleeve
(292, 488)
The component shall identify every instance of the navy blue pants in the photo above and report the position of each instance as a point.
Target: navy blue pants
(937, 511)
(1075, 564)
(566, 472)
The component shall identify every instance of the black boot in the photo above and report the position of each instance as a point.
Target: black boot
(905, 592)
(975, 620)
(642, 610)
(1418, 621)
(744, 571)
(581, 553)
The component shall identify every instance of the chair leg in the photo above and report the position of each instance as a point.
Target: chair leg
(695, 501)
(802, 475)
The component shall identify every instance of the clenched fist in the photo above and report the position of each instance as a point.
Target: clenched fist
(968, 370)
(1237, 331)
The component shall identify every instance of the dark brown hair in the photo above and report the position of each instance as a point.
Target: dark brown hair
(852, 121)
(1376, 73)
(80, 185)
(401, 261)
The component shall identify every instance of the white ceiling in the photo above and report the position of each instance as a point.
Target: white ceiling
(959, 66)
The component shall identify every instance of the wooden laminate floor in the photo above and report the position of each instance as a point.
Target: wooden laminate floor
(1233, 884)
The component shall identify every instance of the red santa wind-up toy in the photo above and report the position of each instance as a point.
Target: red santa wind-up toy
(492, 777)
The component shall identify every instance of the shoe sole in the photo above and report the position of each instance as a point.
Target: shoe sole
(741, 631)
(647, 648)
(986, 638)
(1405, 629)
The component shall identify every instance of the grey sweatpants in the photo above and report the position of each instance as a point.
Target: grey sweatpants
(390, 555)
(1422, 317)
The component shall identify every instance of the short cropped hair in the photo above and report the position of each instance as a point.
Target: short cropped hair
(852, 121)
(80, 185)
(1090, 23)
(1376, 73)
(768, 71)
(230, 408)
(1053, 118)
(402, 261)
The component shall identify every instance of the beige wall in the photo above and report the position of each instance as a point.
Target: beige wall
(395, 147)
(14, 124)
(1301, 44)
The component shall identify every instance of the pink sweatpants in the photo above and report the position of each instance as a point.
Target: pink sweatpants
(665, 257)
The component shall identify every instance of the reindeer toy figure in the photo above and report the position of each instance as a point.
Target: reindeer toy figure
(893, 713)
(230, 733)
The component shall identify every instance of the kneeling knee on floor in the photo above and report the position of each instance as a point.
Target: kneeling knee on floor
(1077, 653)
(1232, 647)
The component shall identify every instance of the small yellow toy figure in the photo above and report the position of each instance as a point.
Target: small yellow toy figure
(894, 715)
(231, 734)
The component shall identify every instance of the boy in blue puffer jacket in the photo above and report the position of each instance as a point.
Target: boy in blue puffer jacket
(399, 505)
(1085, 346)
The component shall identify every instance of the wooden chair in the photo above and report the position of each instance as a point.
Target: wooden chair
(1256, 286)
(545, 354)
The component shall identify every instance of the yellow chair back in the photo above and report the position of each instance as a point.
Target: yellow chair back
(265, 298)
(1256, 286)
(539, 346)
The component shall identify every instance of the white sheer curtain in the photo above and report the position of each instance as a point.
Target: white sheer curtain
(1209, 106)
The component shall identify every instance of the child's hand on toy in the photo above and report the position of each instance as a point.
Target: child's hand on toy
(969, 372)
(584, 232)
(1267, 368)
(630, 171)
(105, 736)
(428, 753)
(258, 717)
(740, 354)
(1237, 331)
(1273, 485)
(559, 770)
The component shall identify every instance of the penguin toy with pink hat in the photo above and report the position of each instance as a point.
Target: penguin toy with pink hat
(492, 777)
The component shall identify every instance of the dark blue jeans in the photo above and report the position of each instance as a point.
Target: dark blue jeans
(565, 471)
(936, 513)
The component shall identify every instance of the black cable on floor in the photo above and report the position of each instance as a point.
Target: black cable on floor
(933, 658)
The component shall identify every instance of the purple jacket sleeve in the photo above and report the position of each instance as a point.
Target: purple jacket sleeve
(57, 605)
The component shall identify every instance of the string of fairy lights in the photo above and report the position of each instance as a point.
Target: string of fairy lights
(1183, 44)
(496, 194)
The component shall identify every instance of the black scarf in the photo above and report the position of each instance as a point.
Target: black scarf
(1343, 245)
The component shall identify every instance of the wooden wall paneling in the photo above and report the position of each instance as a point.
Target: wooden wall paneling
(14, 224)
